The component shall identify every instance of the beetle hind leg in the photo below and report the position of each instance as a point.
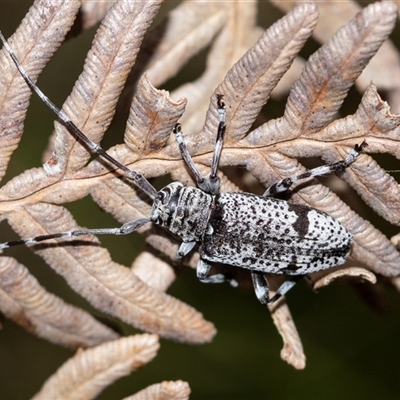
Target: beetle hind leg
(261, 287)
(203, 269)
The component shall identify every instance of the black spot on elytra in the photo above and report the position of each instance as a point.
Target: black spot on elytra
(290, 268)
(301, 224)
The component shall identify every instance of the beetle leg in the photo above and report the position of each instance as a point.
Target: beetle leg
(211, 184)
(203, 269)
(284, 184)
(261, 287)
(213, 180)
(185, 248)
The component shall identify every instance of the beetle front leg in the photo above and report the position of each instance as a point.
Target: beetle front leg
(211, 184)
(185, 248)
(261, 287)
(203, 269)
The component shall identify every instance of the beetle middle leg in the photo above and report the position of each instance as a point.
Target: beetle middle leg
(284, 184)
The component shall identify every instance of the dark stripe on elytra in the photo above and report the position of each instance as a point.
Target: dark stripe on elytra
(302, 223)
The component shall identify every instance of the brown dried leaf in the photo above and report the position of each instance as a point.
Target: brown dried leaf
(237, 36)
(189, 28)
(259, 71)
(152, 117)
(92, 102)
(86, 374)
(167, 390)
(374, 120)
(396, 241)
(329, 73)
(384, 67)
(41, 32)
(28, 304)
(94, 11)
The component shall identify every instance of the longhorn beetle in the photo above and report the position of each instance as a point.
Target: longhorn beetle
(258, 233)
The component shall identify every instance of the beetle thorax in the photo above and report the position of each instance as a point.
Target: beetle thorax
(182, 210)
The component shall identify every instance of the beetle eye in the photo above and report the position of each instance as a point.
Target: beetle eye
(161, 196)
(164, 196)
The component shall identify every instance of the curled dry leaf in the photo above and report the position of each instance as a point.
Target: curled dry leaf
(159, 276)
(87, 373)
(360, 273)
(28, 304)
(152, 116)
(292, 351)
(167, 390)
(308, 128)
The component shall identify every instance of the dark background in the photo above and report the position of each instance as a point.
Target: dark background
(352, 352)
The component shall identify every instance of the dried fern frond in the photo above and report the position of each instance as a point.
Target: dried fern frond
(87, 373)
(244, 64)
(163, 391)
